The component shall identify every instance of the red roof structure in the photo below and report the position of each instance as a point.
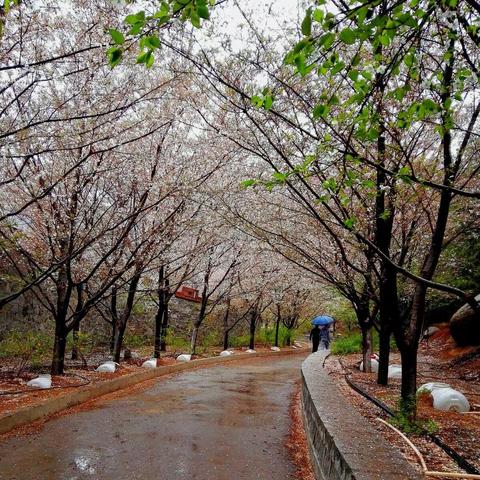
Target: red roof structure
(188, 293)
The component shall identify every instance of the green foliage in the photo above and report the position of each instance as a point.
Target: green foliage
(177, 342)
(31, 347)
(405, 420)
(265, 336)
(85, 342)
(133, 340)
(350, 343)
(140, 25)
(264, 100)
(461, 266)
(7, 4)
(211, 339)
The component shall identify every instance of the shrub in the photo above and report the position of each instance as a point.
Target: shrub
(132, 340)
(264, 336)
(85, 342)
(211, 339)
(351, 342)
(27, 348)
(408, 425)
(176, 342)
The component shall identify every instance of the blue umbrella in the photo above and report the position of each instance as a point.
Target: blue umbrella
(323, 320)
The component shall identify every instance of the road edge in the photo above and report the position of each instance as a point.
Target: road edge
(342, 443)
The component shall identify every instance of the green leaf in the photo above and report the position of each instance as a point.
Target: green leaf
(306, 26)
(152, 42)
(280, 177)
(114, 55)
(338, 67)
(318, 15)
(163, 11)
(195, 19)
(150, 60)
(257, 101)
(117, 36)
(203, 12)
(320, 111)
(350, 222)
(146, 58)
(268, 102)
(385, 215)
(135, 18)
(247, 183)
(326, 41)
(348, 36)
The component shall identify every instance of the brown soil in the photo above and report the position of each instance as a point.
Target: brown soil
(15, 394)
(297, 441)
(439, 361)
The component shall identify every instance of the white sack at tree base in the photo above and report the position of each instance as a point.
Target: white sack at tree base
(275, 349)
(226, 353)
(430, 331)
(373, 363)
(250, 350)
(450, 400)
(42, 381)
(184, 357)
(107, 367)
(152, 363)
(431, 386)
(395, 371)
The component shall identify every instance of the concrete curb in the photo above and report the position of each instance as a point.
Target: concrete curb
(343, 445)
(50, 406)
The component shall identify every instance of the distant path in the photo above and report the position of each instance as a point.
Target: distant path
(224, 423)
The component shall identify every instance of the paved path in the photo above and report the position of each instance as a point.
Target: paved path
(227, 422)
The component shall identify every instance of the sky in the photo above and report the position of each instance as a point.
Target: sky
(267, 16)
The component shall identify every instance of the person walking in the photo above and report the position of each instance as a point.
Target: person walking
(315, 338)
(324, 334)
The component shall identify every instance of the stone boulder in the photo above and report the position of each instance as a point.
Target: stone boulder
(465, 325)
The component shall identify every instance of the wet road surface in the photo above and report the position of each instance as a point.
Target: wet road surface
(227, 422)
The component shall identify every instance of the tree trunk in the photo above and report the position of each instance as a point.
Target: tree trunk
(59, 347)
(225, 326)
(75, 331)
(118, 343)
(201, 315)
(122, 322)
(79, 314)
(112, 338)
(384, 353)
(277, 324)
(163, 336)
(158, 332)
(251, 344)
(159, 314)
(64, 290)
(389, 319)
(367, 349)
(193, 341)
(409, 381)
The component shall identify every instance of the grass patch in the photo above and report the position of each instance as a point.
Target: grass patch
(29, 348)
(265, 336)
(351, 342)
